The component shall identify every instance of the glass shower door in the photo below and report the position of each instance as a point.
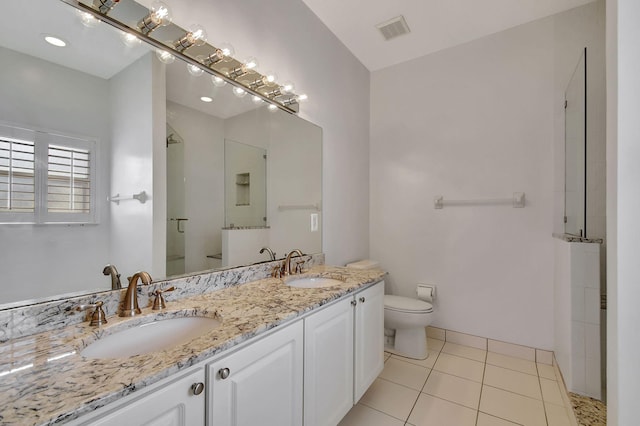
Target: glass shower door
(176, 219)
(575, 196)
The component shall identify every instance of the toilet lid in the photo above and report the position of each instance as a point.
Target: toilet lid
(406, 304)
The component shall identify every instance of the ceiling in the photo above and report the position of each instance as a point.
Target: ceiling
(434, 24)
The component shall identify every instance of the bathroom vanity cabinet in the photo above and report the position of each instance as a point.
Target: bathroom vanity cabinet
(180, 402)
(323, 362)
(260, 384)
(343, 353)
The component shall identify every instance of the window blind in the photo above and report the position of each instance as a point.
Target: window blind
(17, 176)
(68, 180)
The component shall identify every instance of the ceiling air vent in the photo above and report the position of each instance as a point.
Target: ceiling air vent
(394, 27)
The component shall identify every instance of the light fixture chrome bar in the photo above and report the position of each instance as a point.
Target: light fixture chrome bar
(159, 45)
(105, 6)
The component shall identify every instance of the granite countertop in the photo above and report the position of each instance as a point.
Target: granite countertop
(44, 380)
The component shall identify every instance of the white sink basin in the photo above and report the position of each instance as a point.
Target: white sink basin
(150, 337)
(313, 282)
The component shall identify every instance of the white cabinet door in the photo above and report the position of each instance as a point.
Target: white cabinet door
(369, 338)
(172, 405)
(260, 384)
(328, 364)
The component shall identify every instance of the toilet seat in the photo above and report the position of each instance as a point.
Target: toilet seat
(406, 305)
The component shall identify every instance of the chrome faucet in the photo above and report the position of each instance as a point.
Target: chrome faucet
(272, 255)
(286, 266)
(115, 276)
(130, 307)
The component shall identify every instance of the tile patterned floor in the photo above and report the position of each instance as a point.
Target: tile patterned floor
(461, 386)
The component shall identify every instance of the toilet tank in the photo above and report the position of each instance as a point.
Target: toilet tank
(364, 264)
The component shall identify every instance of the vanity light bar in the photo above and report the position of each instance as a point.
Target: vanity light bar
(160, 17)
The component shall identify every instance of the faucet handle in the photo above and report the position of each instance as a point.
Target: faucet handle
(159, 302)
(298, 267)
(97, 317)
(277, 272)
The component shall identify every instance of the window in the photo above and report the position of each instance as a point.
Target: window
(46, 178)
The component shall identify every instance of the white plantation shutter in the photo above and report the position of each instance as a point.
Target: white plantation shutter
(46, 178)
(68, 180)
(17, 176)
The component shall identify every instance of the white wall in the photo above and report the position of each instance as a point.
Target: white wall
(623, 208)
(44, 96)
(288, 38)
(136, 244)
(475, 121)
(203, 137)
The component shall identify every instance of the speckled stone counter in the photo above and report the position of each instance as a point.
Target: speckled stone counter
(588, 411)
(44, 380)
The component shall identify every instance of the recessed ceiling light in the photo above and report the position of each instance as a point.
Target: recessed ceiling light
(206, 99)
(55, 41)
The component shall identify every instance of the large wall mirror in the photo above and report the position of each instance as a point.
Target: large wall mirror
(86, 127)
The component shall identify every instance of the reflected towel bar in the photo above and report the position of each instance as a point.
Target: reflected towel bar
(517, 201)
(315, 207)
(142, 197)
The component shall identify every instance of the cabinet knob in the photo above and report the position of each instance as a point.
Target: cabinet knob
(354, 303)
(362, 299)
(197, 388)
(224, 373)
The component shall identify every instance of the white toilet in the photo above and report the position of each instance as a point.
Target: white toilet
(405, 319)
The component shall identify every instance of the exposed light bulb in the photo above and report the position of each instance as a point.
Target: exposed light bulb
(55, 41)
(269, 77)
(272, 107)
(218, 81)
(195, 36)
(165, 57)
(206, 99)
(256, 99)
(250, 64)
(195, 70)
(227, 50)
(287, 87)
(130, 39)
(87, 19)
(159, 16)
(239, 92)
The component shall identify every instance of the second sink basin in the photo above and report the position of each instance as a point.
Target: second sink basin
(312, 282)
(150, 337)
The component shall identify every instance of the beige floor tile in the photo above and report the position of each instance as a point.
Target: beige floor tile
(551, 392)
(390, 398)
(461, 367)
(405, 373)
(557, 415)
(428, 362)
(513, 407)
(465, 351)
(361, 415)
(387, 355)
(487, 420)
(434, 344)
(546, 371)
(512, 363)
(455, 389)
(432, 411)
(512, 381)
